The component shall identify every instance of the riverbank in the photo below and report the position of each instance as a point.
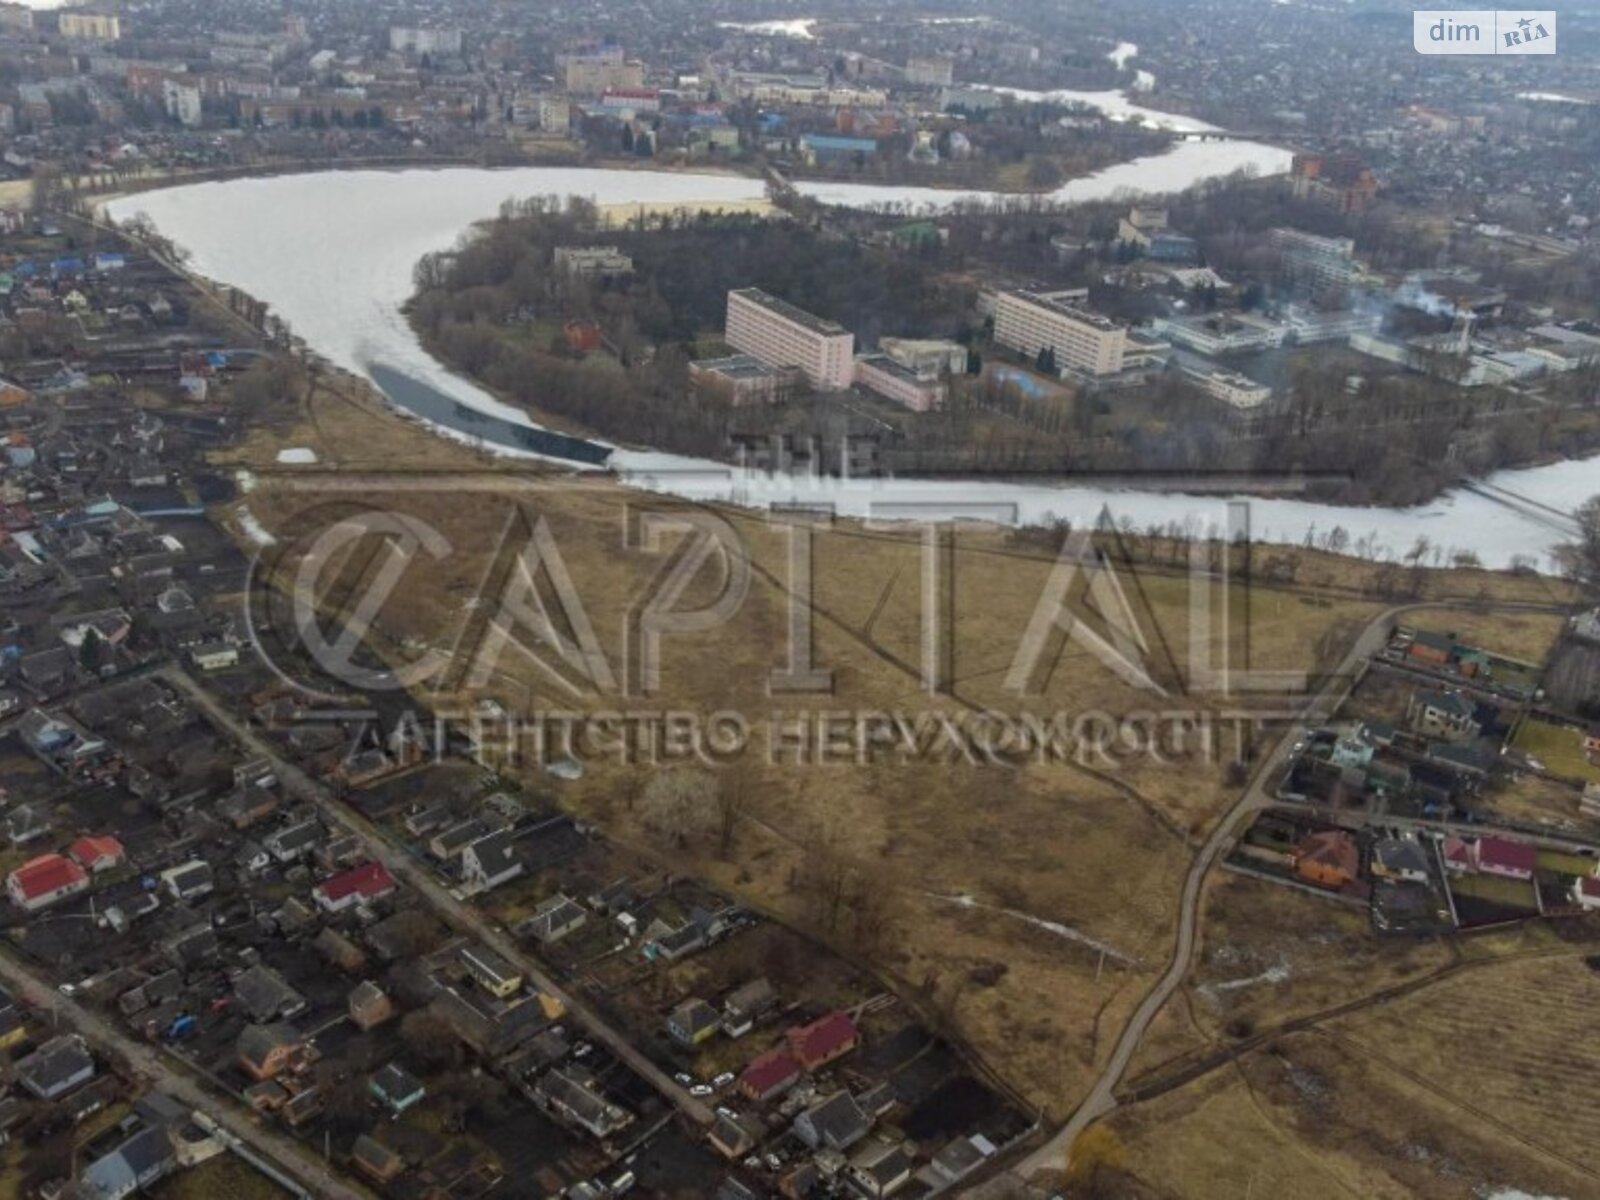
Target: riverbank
(364, 236)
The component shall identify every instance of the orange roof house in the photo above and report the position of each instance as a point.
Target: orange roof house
(1327, 858)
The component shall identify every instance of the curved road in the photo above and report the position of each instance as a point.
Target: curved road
(1055, 1154)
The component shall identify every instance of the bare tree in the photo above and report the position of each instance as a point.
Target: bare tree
(682, 804)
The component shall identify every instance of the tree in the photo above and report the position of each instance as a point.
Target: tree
(429, 1038)
(681, 804)
(1580, 558)
(91, 652)
(1043, 174)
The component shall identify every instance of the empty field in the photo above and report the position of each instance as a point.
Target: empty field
(1558, 747)
(1515, 1040)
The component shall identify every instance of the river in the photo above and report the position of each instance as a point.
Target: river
(332, 253)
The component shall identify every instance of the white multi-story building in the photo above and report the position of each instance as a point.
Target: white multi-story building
(407, 39)
(930, 70)
(1028, 322)
(182, 102)
(781, 335)
(1318, 262)
(592, 260)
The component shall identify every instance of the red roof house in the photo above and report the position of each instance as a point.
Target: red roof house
(97, 853)
(367, 882)
(1457, 854)
(1512, 860)
(44, 880)
(768, 1075)
(822, 1041)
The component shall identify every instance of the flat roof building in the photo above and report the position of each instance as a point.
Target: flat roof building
(744, 379)
(781, 335)
(1029, 322)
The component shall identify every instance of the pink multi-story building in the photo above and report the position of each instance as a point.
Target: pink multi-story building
(781, 335)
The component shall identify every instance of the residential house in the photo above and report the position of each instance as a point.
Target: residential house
(396, 1088)
(1507, 859)
(189, 881)
(244, 806)
(214, 656)
(746, 1005)
(267, 1051)
(490, 861)
(836, 1123)
(369, 1005)
(375, 1160)
(266, 995)
(97, 853)
(1438, 714)
(452, 842)
(493, 973)
(960, 1158)
(881, 1169)
(340, 950)
(573, 1094)
(1327, 858)
(553, 919)
(823, 1040)
(734, 1136)
(692, 1022)
(294, 842)
(46, 880)
(359, 885)
(132, 1167)
(768, 1075)
(57, 1067)
(1431, 649)
(1400, 860)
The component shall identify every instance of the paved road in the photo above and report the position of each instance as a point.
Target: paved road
(458, 914)
(1054, 1154)
(286, 1154)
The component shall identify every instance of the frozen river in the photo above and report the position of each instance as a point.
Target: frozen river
(332, 253)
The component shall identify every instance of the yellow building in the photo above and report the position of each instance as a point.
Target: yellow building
(100, 27)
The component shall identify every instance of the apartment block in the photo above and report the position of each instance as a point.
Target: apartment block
(405, 39)
(1314, 261)
(1083, 341)
(593, 76)
(781, 335)
(930, 70)
(100, 27)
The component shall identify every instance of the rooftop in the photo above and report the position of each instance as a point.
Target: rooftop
(789, 312)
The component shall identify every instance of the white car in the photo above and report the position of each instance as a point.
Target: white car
(701, 1089)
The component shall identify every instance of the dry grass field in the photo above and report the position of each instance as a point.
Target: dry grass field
(1271, 954)
(1528, 636)
(1320, 1116)
(1514, 1042)
(1023, 908)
